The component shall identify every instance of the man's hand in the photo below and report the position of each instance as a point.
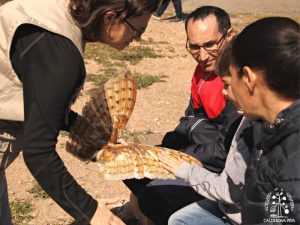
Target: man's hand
(103, 216)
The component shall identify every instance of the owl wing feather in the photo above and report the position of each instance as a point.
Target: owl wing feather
(120, 94)
(107, 112)
(120, 162)
(95, 135)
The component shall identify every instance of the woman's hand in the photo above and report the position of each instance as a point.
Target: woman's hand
(122, 141)
(103, 216)
(171, 164)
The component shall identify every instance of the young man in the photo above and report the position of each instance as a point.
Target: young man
(202, 131)
(223, 192)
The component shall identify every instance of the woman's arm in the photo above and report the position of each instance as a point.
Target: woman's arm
(50, 68)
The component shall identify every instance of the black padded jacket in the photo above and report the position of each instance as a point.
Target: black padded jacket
(272, 193)
(201, 137)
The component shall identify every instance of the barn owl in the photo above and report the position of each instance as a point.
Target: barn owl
(95, 134)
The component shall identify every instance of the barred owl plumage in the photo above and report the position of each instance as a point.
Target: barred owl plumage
(120, 162)
(95, 135)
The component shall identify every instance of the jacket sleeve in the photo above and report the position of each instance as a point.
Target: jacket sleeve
(72, 116)
(202, 138)
(192, 129)
(50, 68)
(213, 155)
(217, 187)
(227, 186)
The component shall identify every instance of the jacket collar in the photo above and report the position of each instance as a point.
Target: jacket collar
(287, 122)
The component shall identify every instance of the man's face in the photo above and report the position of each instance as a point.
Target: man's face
(205, 33)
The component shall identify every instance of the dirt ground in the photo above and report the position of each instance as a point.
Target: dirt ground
(157, 109)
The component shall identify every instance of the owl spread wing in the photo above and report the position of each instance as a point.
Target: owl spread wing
(92, 130)
(120, 162)
(120, 94)
(95, 134)
(105, 114)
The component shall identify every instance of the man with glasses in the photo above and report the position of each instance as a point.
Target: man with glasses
(202, 130)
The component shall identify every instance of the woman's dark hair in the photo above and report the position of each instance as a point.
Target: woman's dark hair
(202, 12)
(224, 59)
(272, 46)
(88, 14)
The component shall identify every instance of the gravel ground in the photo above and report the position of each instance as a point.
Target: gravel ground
(157, 109)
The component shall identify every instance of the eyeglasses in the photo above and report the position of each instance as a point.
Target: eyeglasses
(209, 47)
(137, 32)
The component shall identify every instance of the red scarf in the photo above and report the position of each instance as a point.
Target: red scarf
(210, 97)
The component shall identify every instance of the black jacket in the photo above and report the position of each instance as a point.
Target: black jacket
(274, 172)
(201, 137)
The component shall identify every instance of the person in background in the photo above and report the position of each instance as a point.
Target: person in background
(202, 130)
(265, 80)
(164, 5)
(222, 192)
(41, 72)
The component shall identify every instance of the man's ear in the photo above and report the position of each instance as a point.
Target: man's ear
(249, 78)
(230, 34)
(109, 18)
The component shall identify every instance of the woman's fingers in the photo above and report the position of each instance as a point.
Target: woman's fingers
(103, 216)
